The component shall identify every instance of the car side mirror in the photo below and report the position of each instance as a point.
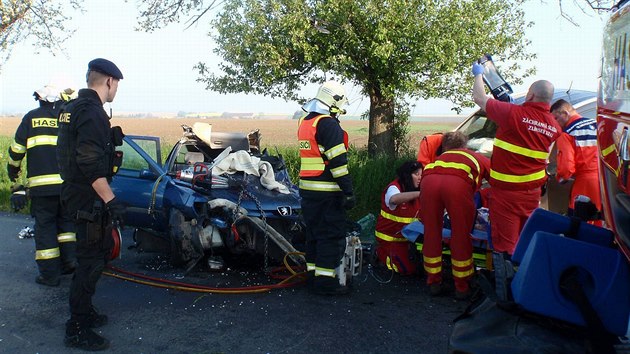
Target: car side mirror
(146, 173)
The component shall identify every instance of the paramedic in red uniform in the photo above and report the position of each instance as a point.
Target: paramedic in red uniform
(450, 183)
(430, 148)
(399, 206)
(325, 187)
(577, 153)
(521, 149)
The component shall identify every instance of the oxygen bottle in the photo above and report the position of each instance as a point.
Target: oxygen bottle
(499, 88)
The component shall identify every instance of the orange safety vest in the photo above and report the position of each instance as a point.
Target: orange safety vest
(390, 222)
(312, 163)
(429, 146)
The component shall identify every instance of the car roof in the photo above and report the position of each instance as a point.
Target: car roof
(572, 96)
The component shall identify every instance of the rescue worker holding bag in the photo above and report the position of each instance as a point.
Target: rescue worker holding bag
(522, 144)
(36, 136)
(88, 161)
(325, 187)
(450, 183)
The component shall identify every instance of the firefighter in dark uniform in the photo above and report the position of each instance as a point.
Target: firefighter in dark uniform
(325, 187)
(87, 160)
(54, 229)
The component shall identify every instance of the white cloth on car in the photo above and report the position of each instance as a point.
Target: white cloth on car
(242, 161)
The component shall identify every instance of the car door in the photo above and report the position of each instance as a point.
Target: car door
(138, 182)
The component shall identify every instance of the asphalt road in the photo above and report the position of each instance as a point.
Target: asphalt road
(378, 317)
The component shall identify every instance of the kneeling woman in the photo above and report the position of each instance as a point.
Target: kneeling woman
(400, 206)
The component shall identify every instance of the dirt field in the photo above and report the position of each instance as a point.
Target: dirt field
(274, 132)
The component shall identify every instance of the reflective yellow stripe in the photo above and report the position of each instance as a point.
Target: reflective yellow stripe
(391, 265)
(324, 272)
(608, 150)
(433, 270)
(312, 164)
(521, 150)
(462, 264)
(463, 274)
(310, 266)
(47, 254)
(335, 151)
(67, 237)
(384, 237)
(319, 186)
(44, 180)
(14, 162)
(516, 178)
(432, 260)
(40, 140)
(339, 171)
(395, 218)
(455, 165)
(471, 158)
(419, 247)
(18, 148)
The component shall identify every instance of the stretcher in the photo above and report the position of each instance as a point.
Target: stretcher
(480, 237)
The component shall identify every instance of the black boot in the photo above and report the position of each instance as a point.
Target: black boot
(47, 281)
(328, 286)
(95, 319)
(82, 337)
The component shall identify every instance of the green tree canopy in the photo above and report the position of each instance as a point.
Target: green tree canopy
(394, 50)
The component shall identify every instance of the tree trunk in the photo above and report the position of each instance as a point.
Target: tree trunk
(381, 139)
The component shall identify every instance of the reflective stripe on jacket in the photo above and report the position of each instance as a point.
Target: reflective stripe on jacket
(464, 163)
(36, 136)
(390, 222)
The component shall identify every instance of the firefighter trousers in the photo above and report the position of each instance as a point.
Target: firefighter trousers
(325, 220)
(456, 195)
(55, 239)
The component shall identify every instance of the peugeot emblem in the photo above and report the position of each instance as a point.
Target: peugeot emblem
(284, 210)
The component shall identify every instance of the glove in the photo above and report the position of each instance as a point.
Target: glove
(477, 69)
(349, 201)
(18, 197)
(13, 172)
(117, 210)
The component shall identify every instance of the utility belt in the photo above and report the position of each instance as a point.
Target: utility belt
(98, 222)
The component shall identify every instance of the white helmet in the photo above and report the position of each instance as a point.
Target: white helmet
(47, 93)
(332, 94)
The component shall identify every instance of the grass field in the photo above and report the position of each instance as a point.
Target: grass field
(369, 175)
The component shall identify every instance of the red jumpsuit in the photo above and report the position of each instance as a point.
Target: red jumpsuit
(430, 148)
(577, 158)
(521, 149)
(392, 247)
(450, 183)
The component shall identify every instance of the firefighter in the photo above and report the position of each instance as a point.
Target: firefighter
(87, 161)
(450, 183)
(325, 187)
(399, 206)
(521, 148)
(36, 136)
(577, 153)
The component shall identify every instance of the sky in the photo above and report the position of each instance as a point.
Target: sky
(159, 77)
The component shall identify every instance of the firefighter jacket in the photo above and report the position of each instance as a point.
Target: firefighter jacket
(430, 148)
(522, 144)
(470, 166)
(37, 136)
(577, 148)
(85, 148)
(390, 222)
(323, 156)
